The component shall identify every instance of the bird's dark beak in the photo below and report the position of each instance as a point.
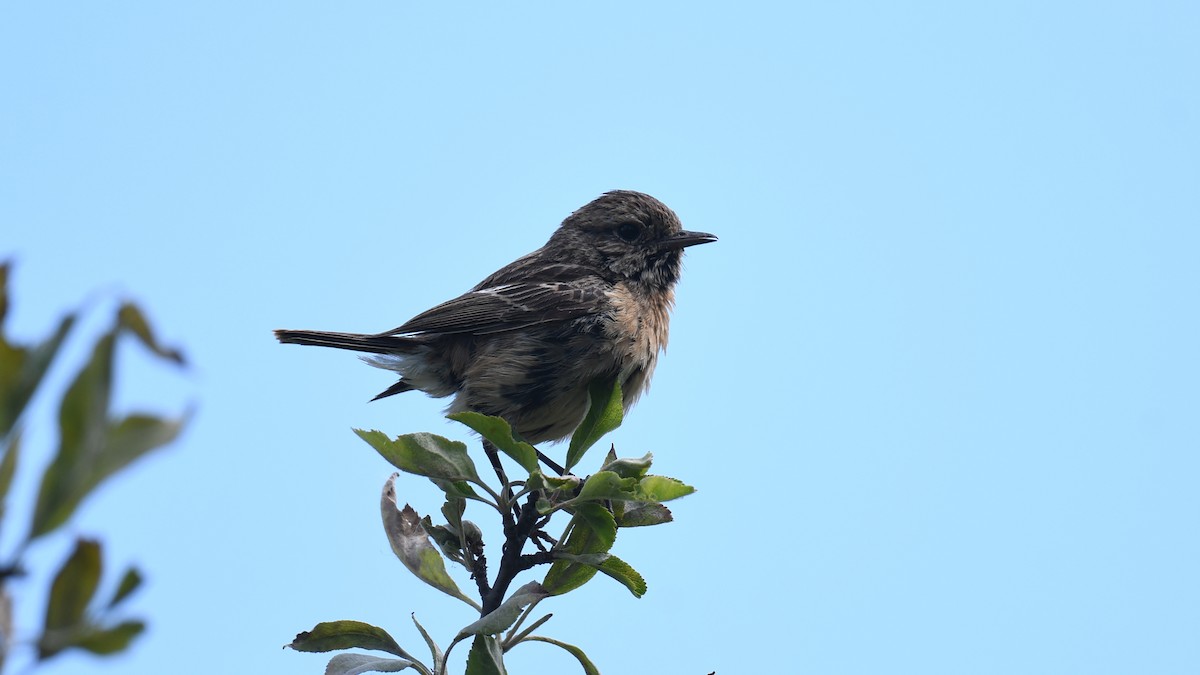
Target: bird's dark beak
(685, 238)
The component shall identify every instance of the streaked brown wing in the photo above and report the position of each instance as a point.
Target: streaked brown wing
(506, 307)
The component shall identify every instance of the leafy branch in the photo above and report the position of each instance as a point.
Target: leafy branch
(93, 445)
(621, 493)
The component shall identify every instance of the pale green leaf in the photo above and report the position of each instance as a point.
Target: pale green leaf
(498, 431)
(356, 664)
(424, 454)
(662, 489)
(604, 485)
(503, 617)
(410, 542)
(628, 467)
(604, 414)
(589, 668)
(434, 649)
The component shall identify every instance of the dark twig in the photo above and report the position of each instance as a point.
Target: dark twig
(511, 560)
(479, 574)
(531, 560)
(540, 538)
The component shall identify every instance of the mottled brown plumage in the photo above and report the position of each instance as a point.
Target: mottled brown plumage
(525, 342)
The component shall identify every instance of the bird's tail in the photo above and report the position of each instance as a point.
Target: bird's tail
(374, 344)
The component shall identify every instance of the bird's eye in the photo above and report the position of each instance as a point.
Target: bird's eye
(629, 231)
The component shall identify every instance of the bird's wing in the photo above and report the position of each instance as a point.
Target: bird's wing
(506, 307)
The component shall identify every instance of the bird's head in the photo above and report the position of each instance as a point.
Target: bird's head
(628, 236)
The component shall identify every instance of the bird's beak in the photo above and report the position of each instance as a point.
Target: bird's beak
(685, 238)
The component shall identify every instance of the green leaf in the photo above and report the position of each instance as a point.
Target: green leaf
(460, 489)
(424, 455)
(446, 539)
(503, 617)
(593, 530)
(356, 664)
(588, 667)
(130, 582)
(628, 467)
(91, 446)
(485, 657)
(607, 485)
(554, 490)
(620, 570)
(498, 431)
(612, 566)
(560, 483)
(434, 649)
(82, 415)
(70, 593)
(130, 318)
(472, 537)
(411, 544)
(641, 514)
(330, 636)
(662, 489)
(22, 369)
(455, 536)
(8, 467)
(453, 510)
(604, 414)
(92, 449)
(110, 640)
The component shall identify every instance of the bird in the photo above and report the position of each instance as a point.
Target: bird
(526, 342)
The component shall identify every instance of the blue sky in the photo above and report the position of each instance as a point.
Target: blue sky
(936, 384)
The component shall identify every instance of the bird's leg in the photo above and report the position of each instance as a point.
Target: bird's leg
(506, 493)
(551, 464)
(493, 456)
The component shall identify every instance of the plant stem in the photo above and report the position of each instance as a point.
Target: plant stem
(479, 574)
(511, 562)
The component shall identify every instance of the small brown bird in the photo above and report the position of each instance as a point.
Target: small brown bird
(525, 343)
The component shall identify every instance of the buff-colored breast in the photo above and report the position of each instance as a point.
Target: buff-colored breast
(639, 329)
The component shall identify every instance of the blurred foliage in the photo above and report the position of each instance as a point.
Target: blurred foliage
(93, 445)
(622, 493)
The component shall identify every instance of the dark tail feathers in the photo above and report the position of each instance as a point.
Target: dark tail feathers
(375, 344)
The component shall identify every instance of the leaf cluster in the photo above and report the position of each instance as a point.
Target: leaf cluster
(93, 445)
(621, 493)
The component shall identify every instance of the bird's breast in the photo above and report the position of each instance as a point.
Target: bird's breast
(638, 332)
